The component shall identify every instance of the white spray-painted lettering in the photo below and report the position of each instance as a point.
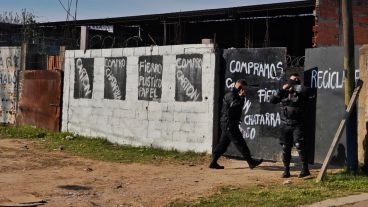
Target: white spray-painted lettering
(266, 70)
(113, 83)
(147, 92)
(148, 67)
(328, 79)
(265, 95)
(246, 106)
(189, 89)
(267, 119)
(117, 63)
(149, 79)
(229, 83)
(83, 77)
(183, 63)
(248, 132)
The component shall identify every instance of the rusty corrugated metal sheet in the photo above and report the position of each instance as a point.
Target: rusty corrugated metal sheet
(54, 62)
(40, 101)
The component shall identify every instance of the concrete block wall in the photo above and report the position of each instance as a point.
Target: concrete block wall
(9, 70)
(328, 29)
(166, 123)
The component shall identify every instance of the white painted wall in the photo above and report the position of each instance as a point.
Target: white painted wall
(9, 68)
(166, 124)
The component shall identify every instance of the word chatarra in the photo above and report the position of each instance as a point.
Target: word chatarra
(271, 119)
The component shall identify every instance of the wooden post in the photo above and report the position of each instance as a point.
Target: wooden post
(349, 84)
(84, 38)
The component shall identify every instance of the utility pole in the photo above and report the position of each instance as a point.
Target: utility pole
(349, 83)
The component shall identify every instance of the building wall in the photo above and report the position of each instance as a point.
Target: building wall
(9, 70)
(170, 117)
(328, 29)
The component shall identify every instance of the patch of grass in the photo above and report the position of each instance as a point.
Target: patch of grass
(305, 192)
(99, 148)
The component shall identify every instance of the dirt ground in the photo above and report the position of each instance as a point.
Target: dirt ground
(65, 180)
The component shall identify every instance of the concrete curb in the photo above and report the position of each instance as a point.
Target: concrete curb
(340, 201)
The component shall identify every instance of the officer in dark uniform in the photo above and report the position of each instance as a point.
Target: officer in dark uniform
(232, 108)
(293, 99)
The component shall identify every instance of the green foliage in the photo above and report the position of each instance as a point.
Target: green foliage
(100, 148)
(30, 31)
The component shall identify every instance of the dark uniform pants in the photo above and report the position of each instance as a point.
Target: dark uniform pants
(231, 133)
(291, 134)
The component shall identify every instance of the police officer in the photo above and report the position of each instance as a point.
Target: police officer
(232, 108)
(293, 99)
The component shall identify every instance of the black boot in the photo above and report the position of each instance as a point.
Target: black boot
(305, 171)
(254, 162)
(286, 173)
(286, 158)
(214, 164)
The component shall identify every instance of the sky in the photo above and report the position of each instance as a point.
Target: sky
(52, 10)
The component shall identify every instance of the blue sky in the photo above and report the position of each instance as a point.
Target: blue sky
(51, 10)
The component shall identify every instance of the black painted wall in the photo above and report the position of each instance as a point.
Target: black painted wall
(150, 70)
(264, 70)
(115, 78)
(325, 68)
(83, 78)
(188, 78)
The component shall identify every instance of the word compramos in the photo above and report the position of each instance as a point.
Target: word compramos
(183, 63)
(266, 70)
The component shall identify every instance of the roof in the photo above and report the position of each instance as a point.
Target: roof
(275, 9)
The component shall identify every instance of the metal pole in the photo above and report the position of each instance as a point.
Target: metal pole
(349, 83)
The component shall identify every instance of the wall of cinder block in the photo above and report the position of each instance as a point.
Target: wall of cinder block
(9, 73)
(169, 103)
(328, 30)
